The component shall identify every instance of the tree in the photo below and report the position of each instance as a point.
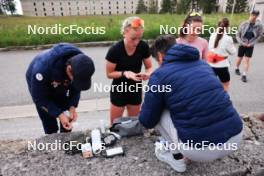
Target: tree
(1, 11)
(207, 6)
(183, 6)
(173, 6)
(8, 5)
(166, 6)
(141, 7)
(153, 7)
(240, 6)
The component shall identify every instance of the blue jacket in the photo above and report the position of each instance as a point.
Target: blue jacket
(48, 83)
(199, 107)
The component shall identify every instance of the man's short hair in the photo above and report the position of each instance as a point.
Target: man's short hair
(162, 44)
(255, 12)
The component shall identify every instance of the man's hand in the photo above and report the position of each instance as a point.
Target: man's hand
(73, 114)
(132, 75)
(247, 45)
(65, 121)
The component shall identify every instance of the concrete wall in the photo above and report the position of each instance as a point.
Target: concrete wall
(260, 6)
(80, 7)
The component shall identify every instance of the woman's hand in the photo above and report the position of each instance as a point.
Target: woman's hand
(144, 76)
(132, 75)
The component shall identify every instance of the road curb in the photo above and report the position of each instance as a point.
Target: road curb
(22, 111)
(47, 46)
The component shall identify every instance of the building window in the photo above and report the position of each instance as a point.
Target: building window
(34, 4)
(109, 7)
(35, 9)
(109, 12)
(60, 3)
(69, 3)
(45, 14)
(44, 9)
(109, 2)
(61, 13)
(43, 3)
(117, 12)
(52, 3)
(85, 8)
(36, 14)
(69, 8)
(101, 8)
(78, 13)
(52, 9)
(102, 13)
(124, 12)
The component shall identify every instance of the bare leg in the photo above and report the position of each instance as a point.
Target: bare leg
(247, 65)
(238, 63)
(226, 86)
(133, 110)
(115, 112)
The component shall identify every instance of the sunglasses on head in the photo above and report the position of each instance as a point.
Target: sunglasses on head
(194, 14)
(137, 23)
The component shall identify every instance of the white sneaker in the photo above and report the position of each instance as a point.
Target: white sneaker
(166, 156)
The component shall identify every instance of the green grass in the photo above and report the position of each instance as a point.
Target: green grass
(13, 30)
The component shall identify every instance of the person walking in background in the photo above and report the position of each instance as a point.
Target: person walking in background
(190, 31)
(247, 36)
(124, 62)
(220, 47)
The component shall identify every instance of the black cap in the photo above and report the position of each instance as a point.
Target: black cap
(82, 70)
(255, 12)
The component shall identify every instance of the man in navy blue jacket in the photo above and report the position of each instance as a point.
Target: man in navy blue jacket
(55, 79)
(196, 110)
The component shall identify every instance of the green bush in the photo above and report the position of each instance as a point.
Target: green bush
(13, 30)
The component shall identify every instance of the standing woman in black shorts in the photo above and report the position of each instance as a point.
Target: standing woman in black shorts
(124, 62)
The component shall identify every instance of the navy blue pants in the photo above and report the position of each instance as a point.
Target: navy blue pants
(49, 123)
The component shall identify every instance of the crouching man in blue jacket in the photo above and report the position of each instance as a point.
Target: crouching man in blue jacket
(55, 79)
(195, 118)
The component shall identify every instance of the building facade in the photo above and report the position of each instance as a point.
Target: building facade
(80, 7)
(259, 5)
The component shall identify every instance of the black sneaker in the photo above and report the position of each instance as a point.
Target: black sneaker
(244, 78)
(237, 71)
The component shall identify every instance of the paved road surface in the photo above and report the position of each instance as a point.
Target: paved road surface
(246, 97)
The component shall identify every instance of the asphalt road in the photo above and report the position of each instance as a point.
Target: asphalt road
(247, 97)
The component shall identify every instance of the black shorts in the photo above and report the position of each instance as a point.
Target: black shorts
(122, 99)
(245, 51)
(222, 73)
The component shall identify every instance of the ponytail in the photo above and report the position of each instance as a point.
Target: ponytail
(222, 26)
